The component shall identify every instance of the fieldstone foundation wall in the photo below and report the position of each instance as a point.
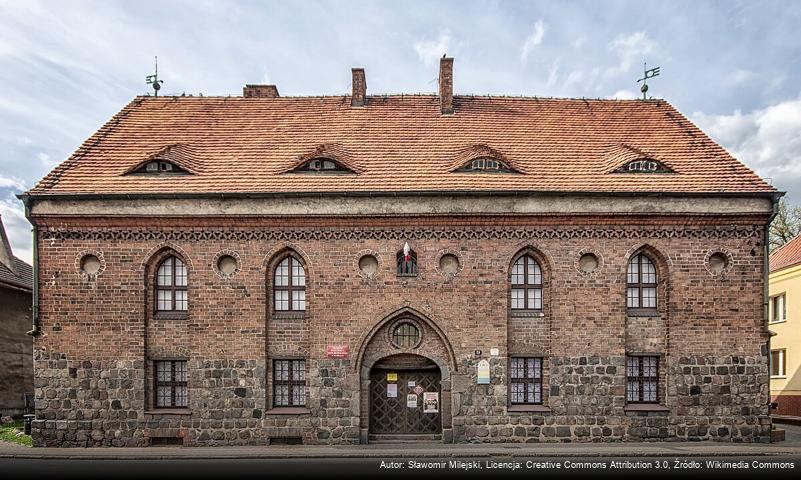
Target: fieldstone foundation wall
(709, 398)
(92, 403)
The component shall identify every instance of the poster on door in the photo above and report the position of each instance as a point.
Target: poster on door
(411, 400)
(392, 390)
(431, 402)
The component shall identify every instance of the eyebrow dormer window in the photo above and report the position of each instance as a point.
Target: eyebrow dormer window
(644, 165)
(322, 165)
(485, 164)
(160, 167)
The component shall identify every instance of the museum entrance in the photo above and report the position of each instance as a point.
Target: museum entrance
(405, 396)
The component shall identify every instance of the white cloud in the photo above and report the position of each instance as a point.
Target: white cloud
(429, 51)
(573, 77)
(17, 226)
(579, 42)
(741, 76)
(13, 183)
(533, 40)
(553, 74)
(624, 95)
(767, 140)
(628, 49)
(45, 160)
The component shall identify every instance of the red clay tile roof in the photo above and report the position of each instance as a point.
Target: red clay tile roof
(788, 255)
(398, 143)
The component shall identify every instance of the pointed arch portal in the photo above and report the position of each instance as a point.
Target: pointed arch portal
(405, 363)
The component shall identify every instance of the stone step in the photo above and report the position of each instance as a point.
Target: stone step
(405, 438)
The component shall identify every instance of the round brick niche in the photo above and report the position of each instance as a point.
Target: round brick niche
(718, 263)
(90, 264)
(226, 264)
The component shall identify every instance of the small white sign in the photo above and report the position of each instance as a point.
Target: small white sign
(412, 383)
(411, 400)
(431, 402)
(392, 390)
(494, 352)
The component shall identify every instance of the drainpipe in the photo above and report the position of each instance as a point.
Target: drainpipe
(35, 329)
(766, 293)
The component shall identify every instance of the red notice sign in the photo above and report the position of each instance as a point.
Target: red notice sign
(337, 351)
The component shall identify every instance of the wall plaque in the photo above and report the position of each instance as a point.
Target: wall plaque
(337, 351)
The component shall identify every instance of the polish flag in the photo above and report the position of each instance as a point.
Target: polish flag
(406, 251)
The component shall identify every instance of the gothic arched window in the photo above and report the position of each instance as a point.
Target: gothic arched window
(289, 285)
(171, 282)
(526, 280)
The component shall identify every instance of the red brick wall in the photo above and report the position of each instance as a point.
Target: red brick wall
(584, 314)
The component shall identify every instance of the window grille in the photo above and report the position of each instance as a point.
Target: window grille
(526, 380)
(642, 374)
(171, 384)
(289, 383)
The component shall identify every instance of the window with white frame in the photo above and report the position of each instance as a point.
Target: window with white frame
(777, 362)
(778, 308)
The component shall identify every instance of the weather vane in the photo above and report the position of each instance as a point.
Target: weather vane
(154, 79)
(646, 75)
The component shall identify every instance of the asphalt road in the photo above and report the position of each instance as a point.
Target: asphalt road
(620, 467)
(781, 460)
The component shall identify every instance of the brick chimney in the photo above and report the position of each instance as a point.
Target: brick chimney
(359, 96)
(260, 91)
(446, 85)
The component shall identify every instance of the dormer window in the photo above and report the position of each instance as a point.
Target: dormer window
(644, 165)
(322, 165)
(485, 164)
(160, 167)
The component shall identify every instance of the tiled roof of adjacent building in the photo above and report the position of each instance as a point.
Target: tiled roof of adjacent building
(398, 143)
(22, 276)
(13, 271)
(788, 255)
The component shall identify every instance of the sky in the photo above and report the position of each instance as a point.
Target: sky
(66, 66)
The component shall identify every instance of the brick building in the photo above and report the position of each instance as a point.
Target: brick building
(16, 348)
(265, 269)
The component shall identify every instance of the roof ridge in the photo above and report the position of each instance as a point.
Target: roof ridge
(405, 94)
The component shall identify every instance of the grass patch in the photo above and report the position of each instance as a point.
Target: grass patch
(9, 432)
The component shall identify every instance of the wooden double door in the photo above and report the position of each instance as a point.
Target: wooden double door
(397, 401)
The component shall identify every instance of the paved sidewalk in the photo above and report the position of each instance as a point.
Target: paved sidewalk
(791, 446)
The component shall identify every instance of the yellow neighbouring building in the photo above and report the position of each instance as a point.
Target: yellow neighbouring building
(785, 319)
